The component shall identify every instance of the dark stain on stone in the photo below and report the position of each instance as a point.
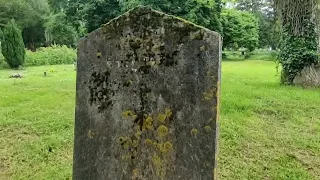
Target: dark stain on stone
(134, 44)
(145, 69)
(100, 91)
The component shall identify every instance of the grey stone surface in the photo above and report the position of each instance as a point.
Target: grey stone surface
(308, 77)
(147, 101)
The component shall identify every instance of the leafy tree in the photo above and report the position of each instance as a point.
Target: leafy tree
(58, 5)
(77, 12)
(59, 31)
(264, 12)
(298, 45)
(1, 36)
(12, 45)
(33, 33)
(29, 16)
(202, 12)
(97, 12)
(240, 29)
(100, 12)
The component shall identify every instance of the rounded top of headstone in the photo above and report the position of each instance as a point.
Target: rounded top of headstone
(146, 16)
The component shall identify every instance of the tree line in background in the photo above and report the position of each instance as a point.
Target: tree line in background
(249, 24)
(244, 24)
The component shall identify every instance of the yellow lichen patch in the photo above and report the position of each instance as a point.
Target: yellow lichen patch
(127, 145)
(168, 112)
(90, 134)
(126, 157)
(135, 172)
(134, 153)
(162, 131)
(148, 124)
(208, 129)
(157, 145)
(138, 134)
(156, 160)
(99, 54)
(126, 142)
(218, 101)
(149, 142)
(194, 132)
(128, 114)
(162, 117)
(135, 143)
(198, 35)
(208, 95)
(151, 63)
(166, 147)
(202, 48)
(159, 166)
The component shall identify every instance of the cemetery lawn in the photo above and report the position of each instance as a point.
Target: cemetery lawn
(267, 131)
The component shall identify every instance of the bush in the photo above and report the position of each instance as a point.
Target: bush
(259, 54)
(52, 55)
(12, 45)
(3, 63)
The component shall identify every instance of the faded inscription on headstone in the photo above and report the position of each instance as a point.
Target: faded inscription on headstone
(147, 100)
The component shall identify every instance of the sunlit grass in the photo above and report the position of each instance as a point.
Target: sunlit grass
(267, 131)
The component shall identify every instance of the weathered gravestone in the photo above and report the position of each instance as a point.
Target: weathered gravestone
(147, 100)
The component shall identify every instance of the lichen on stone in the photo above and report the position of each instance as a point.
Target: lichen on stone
(162, 131)
(168, 112)
(90, 134)
(166, 147)
(194, 132)
(135, 172)
(135, 143)
(128, 114)
(148, 124)
(208, 95)
(162, 117)
(208, 129)
(149, 142)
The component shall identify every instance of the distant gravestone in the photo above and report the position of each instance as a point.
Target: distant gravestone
(147, 100)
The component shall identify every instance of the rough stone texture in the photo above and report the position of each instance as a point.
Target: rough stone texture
(309, 77)
(147, 100)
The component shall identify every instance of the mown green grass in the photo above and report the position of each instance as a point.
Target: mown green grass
(267, 131)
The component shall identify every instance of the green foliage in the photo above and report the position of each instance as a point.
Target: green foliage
(57, 6)
(298, 45)
(100, 12)
(203, 12)
(29, 16)
(258, 54)
(240, 29)
(1, 38)
(52, 55)
(265, 13)
(297, 52)
(12, 45)
(59, 31)
(77, 12)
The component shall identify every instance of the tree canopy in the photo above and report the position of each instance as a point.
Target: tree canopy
(240, 29)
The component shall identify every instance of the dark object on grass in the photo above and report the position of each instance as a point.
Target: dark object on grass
(44, 74)
(16, 76)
